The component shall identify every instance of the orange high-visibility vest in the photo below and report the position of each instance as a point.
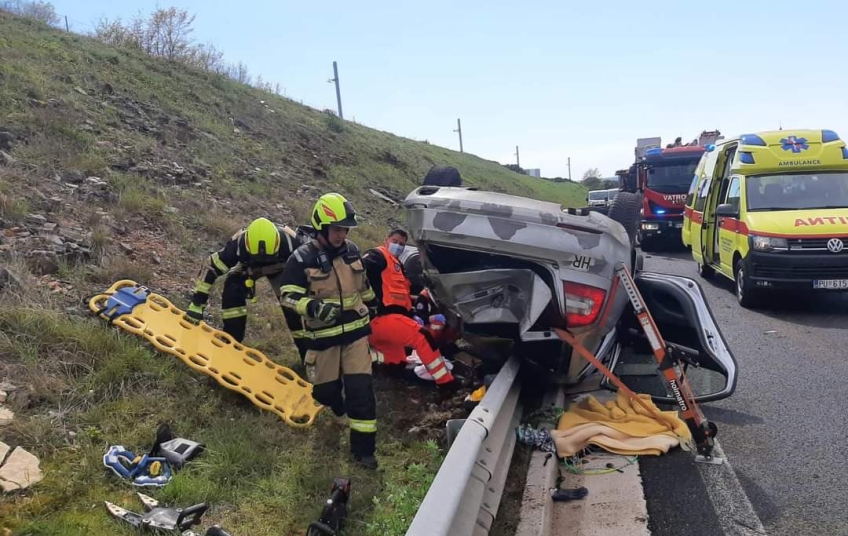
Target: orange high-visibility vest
(396, 286)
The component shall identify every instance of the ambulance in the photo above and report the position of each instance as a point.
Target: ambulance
(770, 211)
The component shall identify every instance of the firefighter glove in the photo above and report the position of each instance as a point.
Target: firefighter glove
(325, 312)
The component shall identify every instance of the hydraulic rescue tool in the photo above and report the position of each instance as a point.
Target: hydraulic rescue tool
(672, 360)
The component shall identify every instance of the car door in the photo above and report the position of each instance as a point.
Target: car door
(697, 218)
(728, 227)
(686, 233)
(698, 202)
(718, 189)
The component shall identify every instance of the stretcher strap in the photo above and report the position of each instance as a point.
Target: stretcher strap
(242, 369)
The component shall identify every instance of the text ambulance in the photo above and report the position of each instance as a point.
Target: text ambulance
(770, 211)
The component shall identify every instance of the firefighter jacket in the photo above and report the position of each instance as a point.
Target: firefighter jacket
(339, 277)
(389, 281)
(233, 257)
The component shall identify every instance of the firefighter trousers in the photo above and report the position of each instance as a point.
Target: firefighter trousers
(234, 308)
(391, 334)
(341, 379)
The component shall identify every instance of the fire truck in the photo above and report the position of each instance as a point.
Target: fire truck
(663, 176)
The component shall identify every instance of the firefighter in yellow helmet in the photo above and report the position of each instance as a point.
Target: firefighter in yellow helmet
(325, 282)
(259, 250)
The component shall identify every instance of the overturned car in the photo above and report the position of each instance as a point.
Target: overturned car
(508, 270)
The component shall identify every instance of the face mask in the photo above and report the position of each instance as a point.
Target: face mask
(395, 249)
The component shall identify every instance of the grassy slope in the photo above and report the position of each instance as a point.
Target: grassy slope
(76, 106)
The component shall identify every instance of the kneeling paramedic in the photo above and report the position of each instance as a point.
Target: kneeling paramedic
(260, 250)
(325, 282)
(395, 328)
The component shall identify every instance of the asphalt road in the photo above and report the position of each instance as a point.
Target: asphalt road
(785, 429)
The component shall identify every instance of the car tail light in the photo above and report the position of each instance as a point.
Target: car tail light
(582, 304)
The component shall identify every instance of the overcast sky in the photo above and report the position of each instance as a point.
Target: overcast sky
(558, 79)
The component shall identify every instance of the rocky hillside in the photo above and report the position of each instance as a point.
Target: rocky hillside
(115, 165)
(112, 153)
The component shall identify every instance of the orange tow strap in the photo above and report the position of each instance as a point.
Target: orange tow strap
(588, 356)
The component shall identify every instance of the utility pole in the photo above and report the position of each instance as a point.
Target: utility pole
(569, 168)
(338, 91)
(67, 27)
(517, 161)
(459, 129)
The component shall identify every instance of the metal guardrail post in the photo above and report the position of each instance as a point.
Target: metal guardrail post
(454, 501)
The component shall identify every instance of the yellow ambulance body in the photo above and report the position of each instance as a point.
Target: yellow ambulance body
(770, 211)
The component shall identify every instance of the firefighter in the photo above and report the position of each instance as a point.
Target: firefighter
(396, 326)
(259, 250)
(325, 283)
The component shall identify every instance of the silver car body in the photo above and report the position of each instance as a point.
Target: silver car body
(582, 249)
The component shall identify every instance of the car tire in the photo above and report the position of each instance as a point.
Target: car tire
(625, 210)
(705, 271)
(443, 176)
(746, 294)
(647, 245)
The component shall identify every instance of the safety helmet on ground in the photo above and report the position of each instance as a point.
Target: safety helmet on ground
(333, 209)
(262, 238)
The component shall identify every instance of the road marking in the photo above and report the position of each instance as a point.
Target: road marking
(621, 496)
(734, 510)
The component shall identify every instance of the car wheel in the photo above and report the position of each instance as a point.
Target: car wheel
(443, 176)
(746, 295)
(705, 271)
(625, 210)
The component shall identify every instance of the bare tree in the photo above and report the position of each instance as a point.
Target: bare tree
(170, 33)
(166, 33)
(113, 33)
(207, 57)
(239, 73)
(592, 173)
(43, 11)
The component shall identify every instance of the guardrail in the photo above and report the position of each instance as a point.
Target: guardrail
(465, 495)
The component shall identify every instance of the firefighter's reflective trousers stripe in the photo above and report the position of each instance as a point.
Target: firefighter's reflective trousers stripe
(346, 370)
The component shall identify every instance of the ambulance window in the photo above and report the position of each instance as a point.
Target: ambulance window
(701, 200)
(722, 194)
(691, 195)
(729, 154)
(733, 193)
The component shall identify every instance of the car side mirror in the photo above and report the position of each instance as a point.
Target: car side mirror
(727, 210)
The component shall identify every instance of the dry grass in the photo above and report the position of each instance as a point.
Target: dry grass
(115, 268)
(13, 209)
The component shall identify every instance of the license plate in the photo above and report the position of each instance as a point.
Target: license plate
(831, 284)
(678, 226)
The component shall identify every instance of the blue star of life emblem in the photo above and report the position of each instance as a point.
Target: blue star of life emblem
(794, 144)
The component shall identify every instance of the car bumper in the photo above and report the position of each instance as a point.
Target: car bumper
(828, 271)
(661, 229)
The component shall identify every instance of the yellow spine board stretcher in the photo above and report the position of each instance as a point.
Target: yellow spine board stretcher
(242, 369)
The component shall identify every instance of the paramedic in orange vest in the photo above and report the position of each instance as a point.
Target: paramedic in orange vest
(395, 328)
